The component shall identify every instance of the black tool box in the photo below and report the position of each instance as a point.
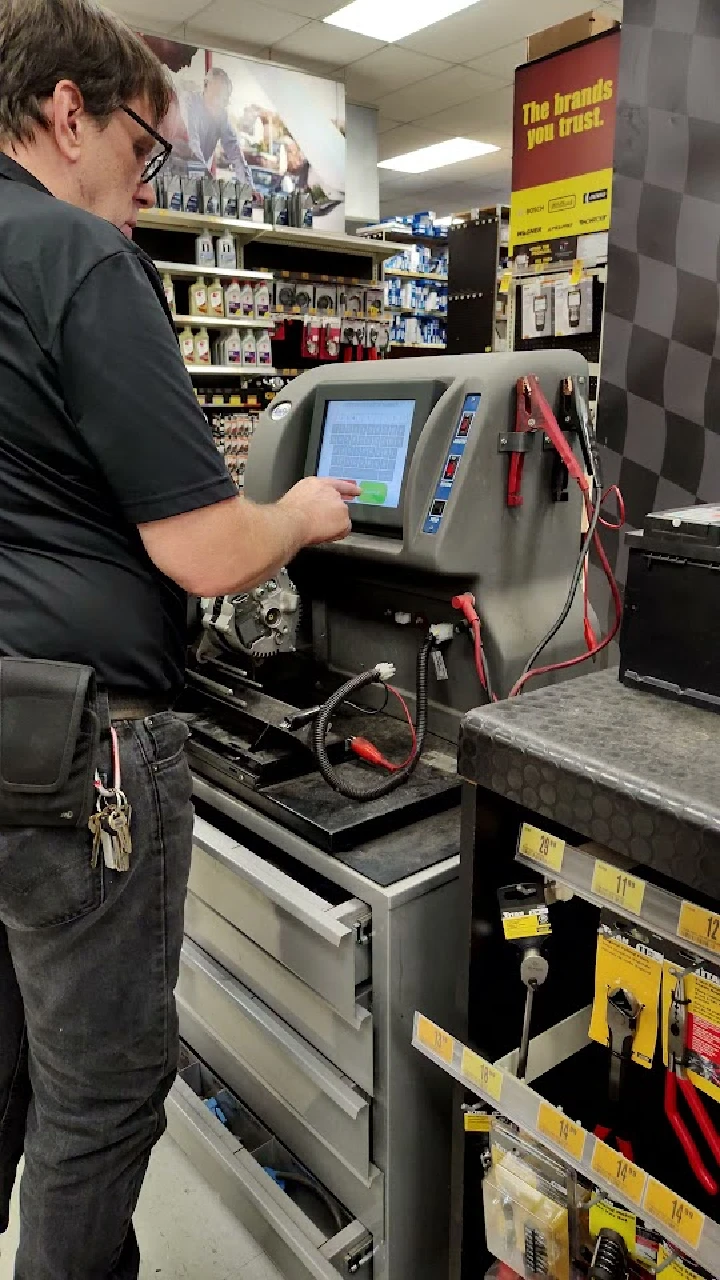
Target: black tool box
(670, 637)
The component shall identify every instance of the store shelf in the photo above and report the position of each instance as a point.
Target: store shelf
(410, 311)
(399, 231)
(583, 870)
(181, 269)
(419, 346)
(416, 275)
(681, 1223)
(221, 322)
(231, 370)
(246, 230)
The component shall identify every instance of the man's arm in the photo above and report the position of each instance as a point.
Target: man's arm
(234, 545)
(234, 152)
(132, 403)
(193, 114)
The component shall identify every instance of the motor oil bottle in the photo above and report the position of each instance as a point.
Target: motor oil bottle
(187, 345)
(216, 299)
(198, 297)
(202, 347)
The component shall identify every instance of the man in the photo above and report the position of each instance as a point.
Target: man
(208, 124)
(113, 504)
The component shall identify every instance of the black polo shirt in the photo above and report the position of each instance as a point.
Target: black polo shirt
(99, 431)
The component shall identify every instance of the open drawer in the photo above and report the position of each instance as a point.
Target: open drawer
(321, 937)
(292, 1216)
(281, 1063)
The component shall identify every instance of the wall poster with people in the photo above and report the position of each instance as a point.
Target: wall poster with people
(278, 130)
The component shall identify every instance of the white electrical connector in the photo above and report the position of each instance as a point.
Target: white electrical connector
(441, 632)
(385, 671)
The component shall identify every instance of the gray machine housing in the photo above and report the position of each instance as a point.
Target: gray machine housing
(517, 562)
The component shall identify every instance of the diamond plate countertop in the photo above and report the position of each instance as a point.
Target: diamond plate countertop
(634, 772)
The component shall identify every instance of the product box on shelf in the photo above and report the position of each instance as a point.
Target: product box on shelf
(351, 301)
(374, 303)
(325, 299)
(210, 196)
(284, 296)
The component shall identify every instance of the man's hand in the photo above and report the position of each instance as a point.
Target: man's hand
(321, 502)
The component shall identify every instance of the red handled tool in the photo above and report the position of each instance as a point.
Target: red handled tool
(533, 413)
(677, 1075)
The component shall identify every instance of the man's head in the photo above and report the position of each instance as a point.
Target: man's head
(218, 91)
(68, 70)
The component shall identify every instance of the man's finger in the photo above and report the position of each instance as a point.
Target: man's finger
(346, 488)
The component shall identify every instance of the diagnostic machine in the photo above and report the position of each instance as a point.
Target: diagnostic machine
(324, 709)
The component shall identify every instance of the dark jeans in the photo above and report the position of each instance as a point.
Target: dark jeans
(88, 1028)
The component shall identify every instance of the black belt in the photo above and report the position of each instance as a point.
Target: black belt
(123, 706)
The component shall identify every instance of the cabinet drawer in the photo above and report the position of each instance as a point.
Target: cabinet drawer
(281, 1062)
(348, 1045)
(323, 943)
(304, 1229)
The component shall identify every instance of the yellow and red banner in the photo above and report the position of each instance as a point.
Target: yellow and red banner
(563, 142)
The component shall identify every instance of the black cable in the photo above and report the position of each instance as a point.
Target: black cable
(370, 711)
(584, 552)
(322, 721)
(319, 1191)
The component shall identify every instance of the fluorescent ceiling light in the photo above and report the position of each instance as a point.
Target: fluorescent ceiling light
(396, 19)
(438, 155)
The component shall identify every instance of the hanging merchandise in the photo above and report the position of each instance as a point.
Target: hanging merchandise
(331, 335)
(573, 307)
(529, 1204)
(537, 311)
(311, 337)
(325, 299)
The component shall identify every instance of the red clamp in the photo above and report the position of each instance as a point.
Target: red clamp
(533, 413)
(677, 1075)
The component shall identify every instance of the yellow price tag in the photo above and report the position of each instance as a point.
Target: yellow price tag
(541, 847)
(618, 1171)
(236, 400)
(506, 281)
(676, 1269)
(482, 1073)
(676, 1214)
(577, 272)
(563, 1132)
(477, 1122)
(609, 1215)
(218, 399)
(699, 926)
(617, 886)
(530, 924)
(435, 1039)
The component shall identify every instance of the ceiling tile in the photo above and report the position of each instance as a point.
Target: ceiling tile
(326, 44)
(487, 118)
(502, 62)
(162, 14)
(456, 84)
(407, 137)
(385, 124)
(250, 21)
(307, 8)
(387, 70)
(490, 25)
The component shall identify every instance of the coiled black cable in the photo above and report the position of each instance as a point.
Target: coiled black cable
(610, 1259)
(322, 722)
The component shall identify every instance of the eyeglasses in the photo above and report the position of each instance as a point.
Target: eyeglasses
(160, 155)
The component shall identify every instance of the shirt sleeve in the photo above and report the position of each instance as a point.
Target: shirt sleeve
(131, 399)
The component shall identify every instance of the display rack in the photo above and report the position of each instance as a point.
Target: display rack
(478, 258)
(402, 340)
(692, 1232)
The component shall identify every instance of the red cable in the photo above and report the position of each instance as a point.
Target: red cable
(371, 754)
(608, 524)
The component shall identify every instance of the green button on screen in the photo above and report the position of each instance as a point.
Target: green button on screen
(373, 491)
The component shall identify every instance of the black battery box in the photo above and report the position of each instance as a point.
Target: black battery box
(670, 636)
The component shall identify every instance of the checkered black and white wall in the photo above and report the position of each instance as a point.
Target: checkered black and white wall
(659, 408)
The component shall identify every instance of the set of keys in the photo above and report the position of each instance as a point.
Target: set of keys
(110, 823)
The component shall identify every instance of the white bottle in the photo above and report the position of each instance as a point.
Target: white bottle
(249, 348)
(262, 301)
(233, 348)
(187, 346)
(204, 252)
(247, 301)
(198, 297)
(169, 288)
(264, 348)
(233, 299)
(216, 299)
(202, 347)
(226, 252)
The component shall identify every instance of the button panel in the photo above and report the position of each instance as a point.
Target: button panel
(451, 465)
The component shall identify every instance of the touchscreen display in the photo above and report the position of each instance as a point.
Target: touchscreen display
(367, 441)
